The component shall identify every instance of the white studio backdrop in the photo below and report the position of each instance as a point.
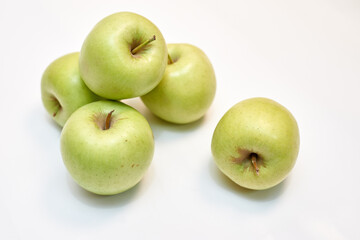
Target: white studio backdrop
(303, 54)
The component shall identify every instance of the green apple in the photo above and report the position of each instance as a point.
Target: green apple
(62, 89)
(187, 88)
(107, 147)
(124, 56)
(256, 143)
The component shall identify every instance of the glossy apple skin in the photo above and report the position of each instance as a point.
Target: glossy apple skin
(261, 126)
(107, 65)
(61, 84)
(107, 162)
(187, 88)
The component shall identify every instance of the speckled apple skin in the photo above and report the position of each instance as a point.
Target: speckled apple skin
(187, 88)
(261, 126)
(107, 162)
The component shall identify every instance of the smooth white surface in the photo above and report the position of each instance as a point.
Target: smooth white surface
(303, 54)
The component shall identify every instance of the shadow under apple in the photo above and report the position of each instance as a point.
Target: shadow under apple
(99, 201)
(163, 130)
(52, 123)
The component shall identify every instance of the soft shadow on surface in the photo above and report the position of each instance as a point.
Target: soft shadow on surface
(257, 195)
(51, 122)
(160, 126)
(99, 201)
(68, 204)
(111, 201)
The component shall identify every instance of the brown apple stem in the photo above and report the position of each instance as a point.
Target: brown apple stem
(56, 111)
(108, 120)
(135, 50)
(253, 160)
(170, 59)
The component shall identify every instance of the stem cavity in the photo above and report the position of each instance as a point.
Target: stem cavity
(138, 48)
(170, 61)
(108, 120)
(253, 161)
(57, 105)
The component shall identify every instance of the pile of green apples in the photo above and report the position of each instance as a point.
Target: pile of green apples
(107, 146)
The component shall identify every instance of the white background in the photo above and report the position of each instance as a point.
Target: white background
(303, 54)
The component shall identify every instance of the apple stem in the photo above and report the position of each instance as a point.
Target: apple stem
(135, 50)
(253, 160)
(170, 59)
(56, 111)
(108, 118)
(57, 105)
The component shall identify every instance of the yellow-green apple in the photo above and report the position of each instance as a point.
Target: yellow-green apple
(62, 89)
(107, 147)
(187, 88)
(123, 56)
(256, 143)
